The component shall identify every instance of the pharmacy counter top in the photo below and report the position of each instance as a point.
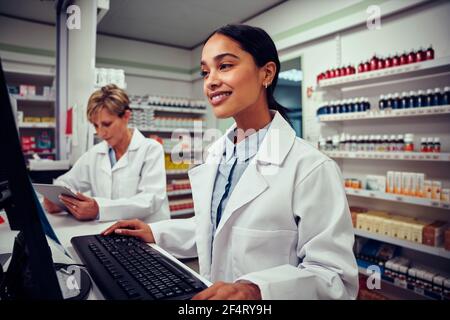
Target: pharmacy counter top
(66, 227)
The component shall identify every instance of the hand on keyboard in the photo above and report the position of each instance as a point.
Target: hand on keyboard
(230, 291)
(135, 228)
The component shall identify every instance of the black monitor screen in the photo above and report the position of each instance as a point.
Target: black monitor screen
(36, 276)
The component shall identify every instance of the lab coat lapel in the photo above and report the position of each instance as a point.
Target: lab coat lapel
(202, 180)
(104, 161)
(250, 186)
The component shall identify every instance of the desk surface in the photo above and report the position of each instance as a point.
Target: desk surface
(66, 227)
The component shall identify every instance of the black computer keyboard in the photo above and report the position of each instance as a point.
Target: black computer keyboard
(126, 268)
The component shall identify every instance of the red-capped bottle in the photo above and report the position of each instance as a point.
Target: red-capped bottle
(337, 72)
(403, 58)
(395, 60)
(361, 67)
(388, 62)
(381, 63)
(328, 74)
(352, 70)
(343, 71)
(374, 63)
(366, 66)
(420, 55)
(429, 54)
(411, 56)
(332, 74)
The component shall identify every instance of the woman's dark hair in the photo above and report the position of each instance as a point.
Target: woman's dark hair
(262, 48)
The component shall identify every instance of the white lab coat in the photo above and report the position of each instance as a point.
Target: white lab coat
(134, 188)
(286, 226)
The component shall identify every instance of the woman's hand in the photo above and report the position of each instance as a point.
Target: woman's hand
(82, 208)
(135, 228)
(230, 291)
(51, 207)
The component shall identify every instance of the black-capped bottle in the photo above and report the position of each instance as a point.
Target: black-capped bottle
(395, 101)
(404, 102)
(389, 101)
(446, 96)
(382, 103)
(429, 98)
(437, 97)
(421, 98)
(412, 99)
(436, 145)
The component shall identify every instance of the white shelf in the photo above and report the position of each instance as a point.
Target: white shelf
(170, 109)
(436, 251)
(397, 198)
(414, 70)
(32, 98)
(179, 192)
(177, 171)
(40, 125)
(405, 156)
(153, 129)
(181, 212)
(386, 114)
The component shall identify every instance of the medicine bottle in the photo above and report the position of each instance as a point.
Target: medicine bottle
(436, 145)
(423, 145)
(409, 142)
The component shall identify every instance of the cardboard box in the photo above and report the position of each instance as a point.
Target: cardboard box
(433, 234)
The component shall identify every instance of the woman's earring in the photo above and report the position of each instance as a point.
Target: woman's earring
(266, 85)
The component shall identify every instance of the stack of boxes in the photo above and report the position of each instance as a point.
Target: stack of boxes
(428, 232)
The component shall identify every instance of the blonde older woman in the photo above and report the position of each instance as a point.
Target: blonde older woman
(124, 173)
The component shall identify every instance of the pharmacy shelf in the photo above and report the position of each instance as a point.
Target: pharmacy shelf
(406, 156)
(414, 70)
(386, 114)
(436, 251)
(32, 98)
(179, 192)
(173, 172)
(397, 198)
(170, 109)
(395, 291)
(40, 125)
(181, 212)
(169, 130)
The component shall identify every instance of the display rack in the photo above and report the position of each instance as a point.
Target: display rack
(397, 198)
(436, 251)
(33, 94)
(401, 156)
(150, 113)
(417, 76)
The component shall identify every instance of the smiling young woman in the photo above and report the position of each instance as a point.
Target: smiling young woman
(271, 215)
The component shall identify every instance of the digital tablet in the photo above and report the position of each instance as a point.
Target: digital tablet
(52, 192)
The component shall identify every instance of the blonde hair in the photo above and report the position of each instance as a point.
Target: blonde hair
(110, 97)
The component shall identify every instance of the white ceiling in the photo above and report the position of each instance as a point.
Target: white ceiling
(180, 23)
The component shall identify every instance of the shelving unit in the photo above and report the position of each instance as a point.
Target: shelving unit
(387, 114)
(396, 291)
(397, 198)
(401, 156)
(393, 75)
(37, 104)
(160, 118)
(422, 122)
(436, 251)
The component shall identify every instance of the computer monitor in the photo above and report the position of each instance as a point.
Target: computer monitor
(31, 273)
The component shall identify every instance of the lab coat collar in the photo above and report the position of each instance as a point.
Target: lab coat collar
(275, 146)
(137, 139)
